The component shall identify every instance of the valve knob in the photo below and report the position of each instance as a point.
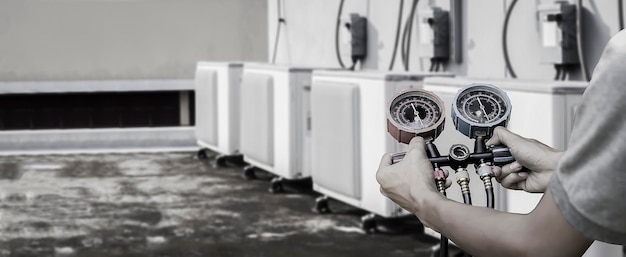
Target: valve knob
(501, 155)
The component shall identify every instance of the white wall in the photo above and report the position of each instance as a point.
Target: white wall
(126, 39)
(308, 37)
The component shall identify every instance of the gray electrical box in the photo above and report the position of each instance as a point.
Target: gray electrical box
(434, 33)
(557, 24)
(358, 29)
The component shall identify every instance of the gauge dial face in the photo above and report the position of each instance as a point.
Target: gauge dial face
(478, 108)
(416, 111)
(481, 105)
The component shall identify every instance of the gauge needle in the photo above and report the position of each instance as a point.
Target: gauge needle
(417, 114)
(482, 107)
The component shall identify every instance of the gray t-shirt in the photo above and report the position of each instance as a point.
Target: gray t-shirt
(589, 185)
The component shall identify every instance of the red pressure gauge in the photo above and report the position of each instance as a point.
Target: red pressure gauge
(415, 112)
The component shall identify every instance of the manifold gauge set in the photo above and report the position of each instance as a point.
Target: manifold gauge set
(476, 110)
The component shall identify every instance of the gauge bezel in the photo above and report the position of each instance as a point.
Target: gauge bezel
(474, 129)
(403, 133)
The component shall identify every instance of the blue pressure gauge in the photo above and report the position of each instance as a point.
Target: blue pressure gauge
(478, 108)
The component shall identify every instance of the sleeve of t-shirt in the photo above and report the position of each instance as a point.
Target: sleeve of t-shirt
(589, 185)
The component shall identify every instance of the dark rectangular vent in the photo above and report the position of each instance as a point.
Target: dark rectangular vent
(90, 110)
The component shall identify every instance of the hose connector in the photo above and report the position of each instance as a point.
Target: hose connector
(487, 182)
(463, 179)
(440, 178)
(485, 173)
(484, 170)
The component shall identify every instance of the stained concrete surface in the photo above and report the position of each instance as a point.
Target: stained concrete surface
(173, 204)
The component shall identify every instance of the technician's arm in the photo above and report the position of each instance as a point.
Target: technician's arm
(480, 231)
(487, 232)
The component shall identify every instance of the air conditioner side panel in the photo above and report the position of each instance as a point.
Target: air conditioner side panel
(257, 117)
(206, 105)
(335, 137)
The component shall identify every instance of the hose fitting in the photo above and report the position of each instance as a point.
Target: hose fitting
(487, 182)
(485, 173)
(484, 169)
(440, 178)
(463, 179)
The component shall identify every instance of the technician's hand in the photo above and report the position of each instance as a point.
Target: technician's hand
(540, 160)
(410, 181)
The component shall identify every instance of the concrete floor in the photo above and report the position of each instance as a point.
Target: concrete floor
(173, 204)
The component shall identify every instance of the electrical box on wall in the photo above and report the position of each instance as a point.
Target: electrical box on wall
(557, 24)
(434, 33)
(358, 29)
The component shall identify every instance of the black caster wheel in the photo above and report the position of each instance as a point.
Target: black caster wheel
(248, 172)
(276, 186)
(201, 154)
(321, 205)
(368, 223)
(220, 161)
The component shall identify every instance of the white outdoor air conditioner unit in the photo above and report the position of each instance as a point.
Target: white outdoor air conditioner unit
(349, 136)
(275, 121)
(217, 86)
